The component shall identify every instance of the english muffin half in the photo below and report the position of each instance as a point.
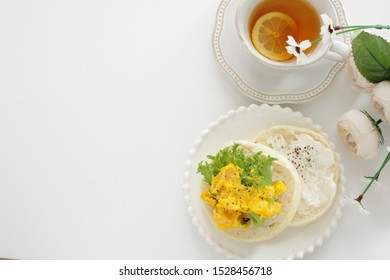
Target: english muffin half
(241, 225)
(315, 161)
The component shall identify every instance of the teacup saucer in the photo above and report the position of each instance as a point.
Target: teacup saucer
(265, 84)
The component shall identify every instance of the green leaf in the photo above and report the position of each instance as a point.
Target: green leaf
(256, 169)
(205, 170)
(266, 172)
(257, 221)
(376, 125)
(372, 57)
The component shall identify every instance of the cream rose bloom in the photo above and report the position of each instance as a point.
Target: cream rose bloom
(380, 98)
(359, 134)
(359, 83)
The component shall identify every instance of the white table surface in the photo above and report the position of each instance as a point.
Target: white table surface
(100, 103)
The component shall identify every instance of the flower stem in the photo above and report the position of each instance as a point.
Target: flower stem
(316, 41)
(366, 27)
(345, 29)
(376, 176)
(350, 28)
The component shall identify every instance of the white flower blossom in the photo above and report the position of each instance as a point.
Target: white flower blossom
(388, 149)
(362, 210)
(352, 201)
(380, 99)
(297, 49)
(327, 30)
(359, 134)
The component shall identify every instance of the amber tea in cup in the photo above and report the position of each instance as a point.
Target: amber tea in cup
(273, 20)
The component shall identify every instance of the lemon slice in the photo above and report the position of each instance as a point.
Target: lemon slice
(269, 35)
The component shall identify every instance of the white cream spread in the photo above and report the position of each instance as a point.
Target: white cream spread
(315, 165)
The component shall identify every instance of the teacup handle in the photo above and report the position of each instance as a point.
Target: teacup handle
(338, 52)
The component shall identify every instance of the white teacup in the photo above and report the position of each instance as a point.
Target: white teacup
(333, 49)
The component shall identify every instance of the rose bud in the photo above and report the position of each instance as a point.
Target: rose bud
(359, 83)
(380, 99)
(359, 133)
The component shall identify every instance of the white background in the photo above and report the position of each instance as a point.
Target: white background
(100, 102)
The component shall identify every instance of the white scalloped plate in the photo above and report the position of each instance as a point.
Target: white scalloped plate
(265, 84)
(245, 123)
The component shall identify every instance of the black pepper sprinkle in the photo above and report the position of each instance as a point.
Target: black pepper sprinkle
(301, 157)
